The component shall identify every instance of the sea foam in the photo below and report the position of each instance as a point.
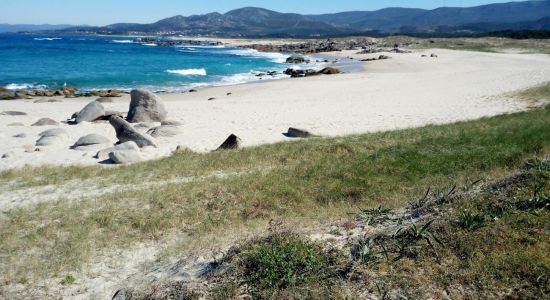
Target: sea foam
(186, 72)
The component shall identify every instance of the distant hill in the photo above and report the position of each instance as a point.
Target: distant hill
(4, 28)
(259, 22)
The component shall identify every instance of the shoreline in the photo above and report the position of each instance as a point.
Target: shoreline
(317, 62)
(405, 91)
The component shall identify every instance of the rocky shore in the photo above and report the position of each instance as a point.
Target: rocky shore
(67, 92)
(168, 43)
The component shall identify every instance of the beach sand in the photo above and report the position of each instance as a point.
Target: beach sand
(402, 92)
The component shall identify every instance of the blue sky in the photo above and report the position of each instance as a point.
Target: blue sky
(103, 12)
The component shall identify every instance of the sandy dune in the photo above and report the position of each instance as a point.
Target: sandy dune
(405, 91)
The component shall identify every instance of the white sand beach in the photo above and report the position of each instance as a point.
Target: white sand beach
(402, 92)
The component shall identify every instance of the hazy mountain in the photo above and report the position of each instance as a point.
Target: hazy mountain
(248, 21)
(393, 19)
(258, 22)
(27, 27)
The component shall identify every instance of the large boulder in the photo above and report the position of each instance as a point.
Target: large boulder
(52, 137)
(296, 59)
(164, 131)
(46, 122)
(125, 156)
(91, 112)
(91, 142)
(104, 154)
(146, 107)
(299, 133)
(54, 132)
(125, 133)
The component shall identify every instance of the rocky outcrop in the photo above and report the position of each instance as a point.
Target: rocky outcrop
(295, 73)
(164, 131)
(91, 112)
(296, 59)
(146, 107)
(231, 143)
(46, 122)
(125, 133)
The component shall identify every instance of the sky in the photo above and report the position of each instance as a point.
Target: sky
(104, 12)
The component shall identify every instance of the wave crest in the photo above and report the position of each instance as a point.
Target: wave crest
(187, 72)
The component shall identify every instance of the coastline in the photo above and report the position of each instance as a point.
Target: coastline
(387, 95)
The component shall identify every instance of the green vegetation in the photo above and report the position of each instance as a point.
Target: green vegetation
(283, 262)
(68, 280)
(481, 44)
(307, 185)
(536, 96)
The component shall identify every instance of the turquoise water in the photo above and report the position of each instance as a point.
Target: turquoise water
(107, 62)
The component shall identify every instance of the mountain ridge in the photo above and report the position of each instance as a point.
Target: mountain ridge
(260, 22)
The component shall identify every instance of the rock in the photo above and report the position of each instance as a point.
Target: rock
(53, 140)
(325, 71)
(330, 71)
(192, 91)
(232, 142)
(164, 131)
(109, 113)
(45, 122)
(69, 92)
(433, 55)
(105, 100)
(7, 96)
(119, 295)
(20, 135)
(125, 156)
(210, 99)
(22, 95)
(125, 133)
(54, 132)
(16, 124)
(104, 154)
(296, 59)
(171, 123)
(91, 112)
(229, 94)
(13, 113)
(383, 57)
(3, 89)
(146, 107)
(30, 148)
(424, 55)
(8, 155)
(298, 133)
(90, 142)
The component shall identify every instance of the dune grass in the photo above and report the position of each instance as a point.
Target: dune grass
(304, 184)
(484, 44)
(535, 96)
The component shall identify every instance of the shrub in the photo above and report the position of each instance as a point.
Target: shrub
(282, 262)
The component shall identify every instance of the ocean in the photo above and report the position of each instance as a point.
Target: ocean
(114, 62)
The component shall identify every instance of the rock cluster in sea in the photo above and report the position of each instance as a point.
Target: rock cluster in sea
(67, 92)
(165, 42)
